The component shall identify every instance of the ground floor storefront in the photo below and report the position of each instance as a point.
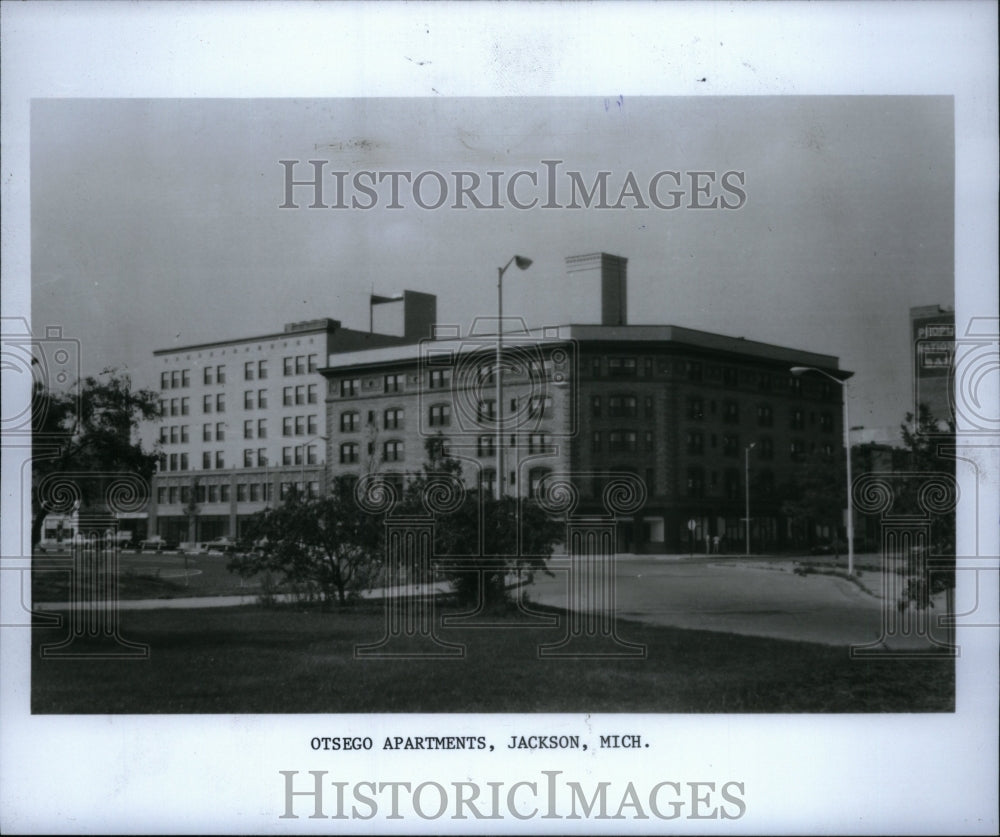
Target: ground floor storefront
(710, 529)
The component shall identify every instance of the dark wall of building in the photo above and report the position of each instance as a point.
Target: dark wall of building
(682, 421)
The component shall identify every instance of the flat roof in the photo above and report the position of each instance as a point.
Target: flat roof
(331, 328)
(326, 327)
(665, 335)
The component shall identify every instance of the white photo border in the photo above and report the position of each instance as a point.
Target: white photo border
(856, 774)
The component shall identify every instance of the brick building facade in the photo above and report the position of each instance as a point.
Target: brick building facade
(686, 411)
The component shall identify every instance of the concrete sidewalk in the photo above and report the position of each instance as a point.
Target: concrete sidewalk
(193, 602)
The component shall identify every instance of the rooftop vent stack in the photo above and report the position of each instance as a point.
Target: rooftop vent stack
(410, 314)
(611, 272)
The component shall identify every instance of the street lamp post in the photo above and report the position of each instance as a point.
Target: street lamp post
(800, 370)
(522, 264)
(746, 480)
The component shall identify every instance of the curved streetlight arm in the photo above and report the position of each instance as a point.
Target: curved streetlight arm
(801, 370)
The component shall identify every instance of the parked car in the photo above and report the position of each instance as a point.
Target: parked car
(53, 546)
(157, 544)
(125, 540)
(223, 545)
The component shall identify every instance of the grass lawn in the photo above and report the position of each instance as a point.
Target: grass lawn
(296, 659)
(146, 576)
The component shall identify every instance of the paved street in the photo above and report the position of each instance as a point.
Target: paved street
(735, 595)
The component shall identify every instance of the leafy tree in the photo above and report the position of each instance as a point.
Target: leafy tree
(927, 441)
(510, 536)
(330, 542)
(92, 430)
(816, 493)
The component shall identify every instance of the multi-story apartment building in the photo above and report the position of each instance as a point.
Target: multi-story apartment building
(243, 421)
(688, 412)
(385, 406)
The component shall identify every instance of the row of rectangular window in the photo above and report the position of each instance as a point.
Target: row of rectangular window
(299, 364)
(309, 490)
(176, 434)
(175, 406)
(252, 370)
(220, 432)
(623, 406)
(254, 458)
(436, 379)
(174, 462)
(254, 492)
(250, 427)
(202, 494)
(290, 455)
(488, 480)
(217, 402)
(392, 451)
(438, 415)
(248, 399)
(695, 371)
(208, 458)
(614, 367)
(175, 379)
(764, 446)
(299, 425)
(765, 414)
(350, 387)
(219, 399)
(213, 375)
(621, 441)
(695, 444)
(300, 455)
(536, 443)
(302, 394)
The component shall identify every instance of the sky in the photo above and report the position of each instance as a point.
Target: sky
(156, 223)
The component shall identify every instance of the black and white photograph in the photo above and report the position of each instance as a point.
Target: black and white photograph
(499, 456)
